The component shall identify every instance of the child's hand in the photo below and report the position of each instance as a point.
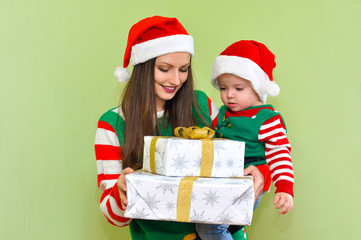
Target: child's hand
(285, 201)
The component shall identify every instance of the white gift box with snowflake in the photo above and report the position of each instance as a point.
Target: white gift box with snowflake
(190, 199)
(192, 157)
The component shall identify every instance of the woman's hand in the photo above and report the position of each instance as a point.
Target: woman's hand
(258, 180)
(285, 201)
(122, 187)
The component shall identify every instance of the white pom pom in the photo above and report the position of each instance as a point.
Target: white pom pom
(272, 89)
(122, 74)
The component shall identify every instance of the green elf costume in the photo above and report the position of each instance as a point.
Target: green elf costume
(261, 127)
(263, 130)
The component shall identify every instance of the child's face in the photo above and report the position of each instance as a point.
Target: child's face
(237, 93)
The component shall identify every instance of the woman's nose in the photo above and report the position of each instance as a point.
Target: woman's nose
(175, 80)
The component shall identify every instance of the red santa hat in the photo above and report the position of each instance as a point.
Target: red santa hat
(153, 37)
(252, 61)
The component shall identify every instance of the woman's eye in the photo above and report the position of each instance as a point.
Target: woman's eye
(184, 70)
(163, 69)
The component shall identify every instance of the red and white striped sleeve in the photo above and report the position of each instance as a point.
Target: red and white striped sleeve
(213, 111)
(108, 158)
(278, 154)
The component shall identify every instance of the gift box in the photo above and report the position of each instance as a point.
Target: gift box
(172, 156)
(190, 199)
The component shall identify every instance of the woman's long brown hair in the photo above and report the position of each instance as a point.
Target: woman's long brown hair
(140, 115)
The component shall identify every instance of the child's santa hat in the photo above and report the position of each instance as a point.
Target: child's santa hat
(252, 61)
(153, 37)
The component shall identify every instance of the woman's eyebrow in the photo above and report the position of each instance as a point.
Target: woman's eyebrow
(185, 65)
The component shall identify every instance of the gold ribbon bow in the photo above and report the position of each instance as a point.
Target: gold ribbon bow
(194, 132)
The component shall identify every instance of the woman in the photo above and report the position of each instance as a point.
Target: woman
(158, 97)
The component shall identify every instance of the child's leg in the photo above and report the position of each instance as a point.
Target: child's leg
(213, 231)
(219, 231)
(258, 200)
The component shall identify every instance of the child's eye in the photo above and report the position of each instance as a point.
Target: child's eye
(222, 88)
(239, 89)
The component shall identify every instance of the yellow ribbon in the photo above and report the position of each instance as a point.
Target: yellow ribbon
(152, 154)
(184, 198)
(207, 158)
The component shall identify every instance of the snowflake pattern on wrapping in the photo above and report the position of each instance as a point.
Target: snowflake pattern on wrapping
(138, 182)
(245, 197)
(140, 214)
(218, 146)
(237, 199)
(147, 155)
(194, 197)
(193, 142)
(179, 163)
(218, 164)
(204, 180)
(234, 174)
(174, 144)
(197, 162)
(151, 201)
(211, 198)
(249, 195)
(162, 157)
(230, 163)
(225, 218)
(199, 217)
(170, 206)
(166, 187)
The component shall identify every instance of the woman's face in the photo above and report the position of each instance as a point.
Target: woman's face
(170, 72)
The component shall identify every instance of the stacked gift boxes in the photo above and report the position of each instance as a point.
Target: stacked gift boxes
(191, 180)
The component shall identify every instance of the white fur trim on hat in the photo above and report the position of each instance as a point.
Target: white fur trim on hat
(247, 69)
(272, 89)
(145, 51)
(122, 74)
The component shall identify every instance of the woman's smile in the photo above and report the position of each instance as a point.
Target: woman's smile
(169, 89)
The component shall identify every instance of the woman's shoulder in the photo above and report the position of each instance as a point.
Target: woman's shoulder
(112, 116)
(202, 98)
(116, 111)
(200, 94)
(205, 103)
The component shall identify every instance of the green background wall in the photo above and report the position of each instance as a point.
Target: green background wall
(56, 70)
